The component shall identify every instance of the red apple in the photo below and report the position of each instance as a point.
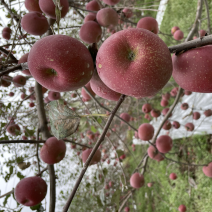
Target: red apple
(166, 96)
(90, 32)
(11, 94)
(164, 143)
(164, 103)
(31, 104)
(19, 81)
(48, 7)
(7, 29)
(100, 89)
(146, 132)
(23, 59)
(129, 52)
(152, 152)
(207, 170)
(127, 12)
(155, 113)
(84, 93)
(189, 126)
(47, 66)
(167, 125)
(53, 95)
(196, 115)
(34, 23)
(137, 180)
(32, 5)
(184, 106)
(182, 208)
(30, 191)
(174, 91)
(107, 16)
(96, 158)
(146, 108)
(53, 151)
(176, 124)
(147, 116)
(93, 5)
(165, 111)
(178, 35)
(23, 95)
(148, 23)
(90, 17)
(125, 116)
(24, 137)
(174, 29)
(185, 64)
(149, 185)
(202, 33)
(126, 209)
(5, 81)
(173, 176)
(208, 112)
(6, 35)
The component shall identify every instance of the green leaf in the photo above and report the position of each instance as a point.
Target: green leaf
(35, 207)
(19, 159)
(6, 198)
(9, 105)
(11, 169)
(29, 132)
(93, 129)
(75, 104)
(119, 152)
(20, 176)
(63, 121)
(82, 126)
(105, 171)
(99, 202)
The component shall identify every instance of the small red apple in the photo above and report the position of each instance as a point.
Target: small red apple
(178, 35)
(53, 151)
(30, 191)
(189, 126)
(164, 143)
(148, 23)
(196, 115)
(146, 108)
(152, 152)
(137, 180)
(34, 23)
(173, 176)
(174, 29)
(96, 158)
(48, 7)
(182, 208)
(145, 131)
(207, 170)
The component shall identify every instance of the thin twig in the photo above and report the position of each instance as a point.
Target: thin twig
(37, 149)
(99, 141)
(208, 16)
(8, 193)
(89, 93)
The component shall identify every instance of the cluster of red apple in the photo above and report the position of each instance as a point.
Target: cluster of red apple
(126, 64)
